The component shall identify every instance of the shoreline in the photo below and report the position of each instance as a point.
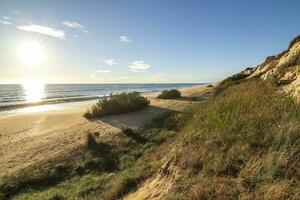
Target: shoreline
(58, 104)
(47, 102)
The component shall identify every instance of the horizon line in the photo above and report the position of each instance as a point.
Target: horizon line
(117, 83)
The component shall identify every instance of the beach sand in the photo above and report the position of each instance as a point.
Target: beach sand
(26, 138)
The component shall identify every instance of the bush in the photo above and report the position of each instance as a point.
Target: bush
(169, 94)
(117, 104)
(235, 78)
(230, 81)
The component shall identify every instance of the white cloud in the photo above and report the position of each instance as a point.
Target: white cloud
(5, 21)
(136, 70)
(109, 79)
(125, 39)
(93, 76)
(139, 65)
(75, 25)
(110, 62)
(43, 30)
(158, 77)
(104, 71)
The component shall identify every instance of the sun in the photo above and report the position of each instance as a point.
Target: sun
(31, 53)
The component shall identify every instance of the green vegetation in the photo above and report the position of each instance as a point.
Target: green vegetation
(230, 81)
(242, 143)
(169, 94)
(117, 104)
(236, 78)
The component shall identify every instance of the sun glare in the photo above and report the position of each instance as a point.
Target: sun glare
(31, 53)
(34, 90)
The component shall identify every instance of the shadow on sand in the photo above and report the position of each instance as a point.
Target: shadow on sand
(134, 119)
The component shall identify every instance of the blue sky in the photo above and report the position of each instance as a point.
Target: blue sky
(142, 40)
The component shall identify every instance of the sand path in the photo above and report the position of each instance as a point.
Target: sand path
(30, 137)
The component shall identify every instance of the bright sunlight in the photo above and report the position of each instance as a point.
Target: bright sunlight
(34, 90)
(31, 53)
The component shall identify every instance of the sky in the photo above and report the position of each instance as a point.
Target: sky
(140, 41)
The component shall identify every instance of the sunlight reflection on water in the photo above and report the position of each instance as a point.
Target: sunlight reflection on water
(34, 90)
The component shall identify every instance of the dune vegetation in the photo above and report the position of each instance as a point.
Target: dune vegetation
(117, 104)
(169, 94)
(235, 145)
(242, 144)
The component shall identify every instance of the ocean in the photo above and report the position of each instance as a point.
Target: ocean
(14, 95)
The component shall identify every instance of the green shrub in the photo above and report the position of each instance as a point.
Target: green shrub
(235, 78)
(230, 81)
(117, 104)
(169, 94)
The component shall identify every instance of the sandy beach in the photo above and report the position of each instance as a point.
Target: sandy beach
(26, 138)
